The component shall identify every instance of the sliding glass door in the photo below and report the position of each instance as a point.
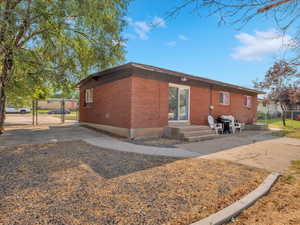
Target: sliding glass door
(179, 97)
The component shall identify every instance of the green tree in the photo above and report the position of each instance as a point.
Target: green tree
(52, 44)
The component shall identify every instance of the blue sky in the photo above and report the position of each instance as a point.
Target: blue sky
(196, 45)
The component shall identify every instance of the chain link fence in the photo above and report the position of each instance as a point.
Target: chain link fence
(269, 115)
(43, 112)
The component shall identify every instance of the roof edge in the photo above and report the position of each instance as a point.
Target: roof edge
(167, 71)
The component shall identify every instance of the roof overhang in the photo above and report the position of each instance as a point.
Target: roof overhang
(136, 69)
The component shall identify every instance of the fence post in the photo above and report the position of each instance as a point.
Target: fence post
(36, 111)
(33, 112)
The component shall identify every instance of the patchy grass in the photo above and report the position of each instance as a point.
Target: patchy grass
(281, 206)
(282, 133)
(75, 183)
(295, 167)
(292, 128)
(290, 124)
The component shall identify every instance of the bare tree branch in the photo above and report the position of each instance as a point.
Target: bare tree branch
(268, 7)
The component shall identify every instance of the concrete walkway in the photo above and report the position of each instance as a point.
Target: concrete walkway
(273, 155)
(254, 148)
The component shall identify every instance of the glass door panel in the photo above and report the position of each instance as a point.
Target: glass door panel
(178, 103)
(173, 103)
(183, 104)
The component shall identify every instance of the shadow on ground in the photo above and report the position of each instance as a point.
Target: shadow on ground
(28, 166)
(76, 183)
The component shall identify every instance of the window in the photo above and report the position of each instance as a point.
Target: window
(89, 96)
(224, 98)
(247, 101)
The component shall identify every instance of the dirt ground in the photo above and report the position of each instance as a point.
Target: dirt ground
(72, 183)
(281, 206)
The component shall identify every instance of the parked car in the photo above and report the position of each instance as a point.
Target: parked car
(59, 111)
(17, 110)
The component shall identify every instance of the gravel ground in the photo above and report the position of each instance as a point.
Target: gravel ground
(70, 183)
(281, 206)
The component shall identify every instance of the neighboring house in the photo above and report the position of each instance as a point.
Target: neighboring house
(268, 107)
(136, 100)
(54, 103)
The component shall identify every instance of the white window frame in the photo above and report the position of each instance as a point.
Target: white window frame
(189, 106)
(224, 92)
(248, 101)
(89, 95)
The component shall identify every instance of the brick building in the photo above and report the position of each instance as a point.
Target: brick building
(136, 100)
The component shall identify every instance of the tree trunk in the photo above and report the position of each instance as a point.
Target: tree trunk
(283, 115)
(2, 108)
(7, 67)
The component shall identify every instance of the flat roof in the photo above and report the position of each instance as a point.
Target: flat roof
(162, 71)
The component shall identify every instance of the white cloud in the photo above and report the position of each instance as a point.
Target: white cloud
(159, 22)
(183, 38)
(172, 43)
(262, 43)
(143, 28)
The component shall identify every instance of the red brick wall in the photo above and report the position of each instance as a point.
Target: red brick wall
(143, 103)
(111, 104)
(202, 98)
(200, 102)
(150, 103)
(235, 108)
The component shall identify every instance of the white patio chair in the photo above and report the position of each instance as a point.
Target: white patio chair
(235, 125)
(215, 126)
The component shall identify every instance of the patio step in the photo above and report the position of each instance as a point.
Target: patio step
(201, 132)
(190, 133)
(189, 128)
(201, 138)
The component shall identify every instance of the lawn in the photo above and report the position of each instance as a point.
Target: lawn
(281, 206)
(292, 128)
(76, 183)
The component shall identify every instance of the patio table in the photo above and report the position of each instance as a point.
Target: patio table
(226, 125)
